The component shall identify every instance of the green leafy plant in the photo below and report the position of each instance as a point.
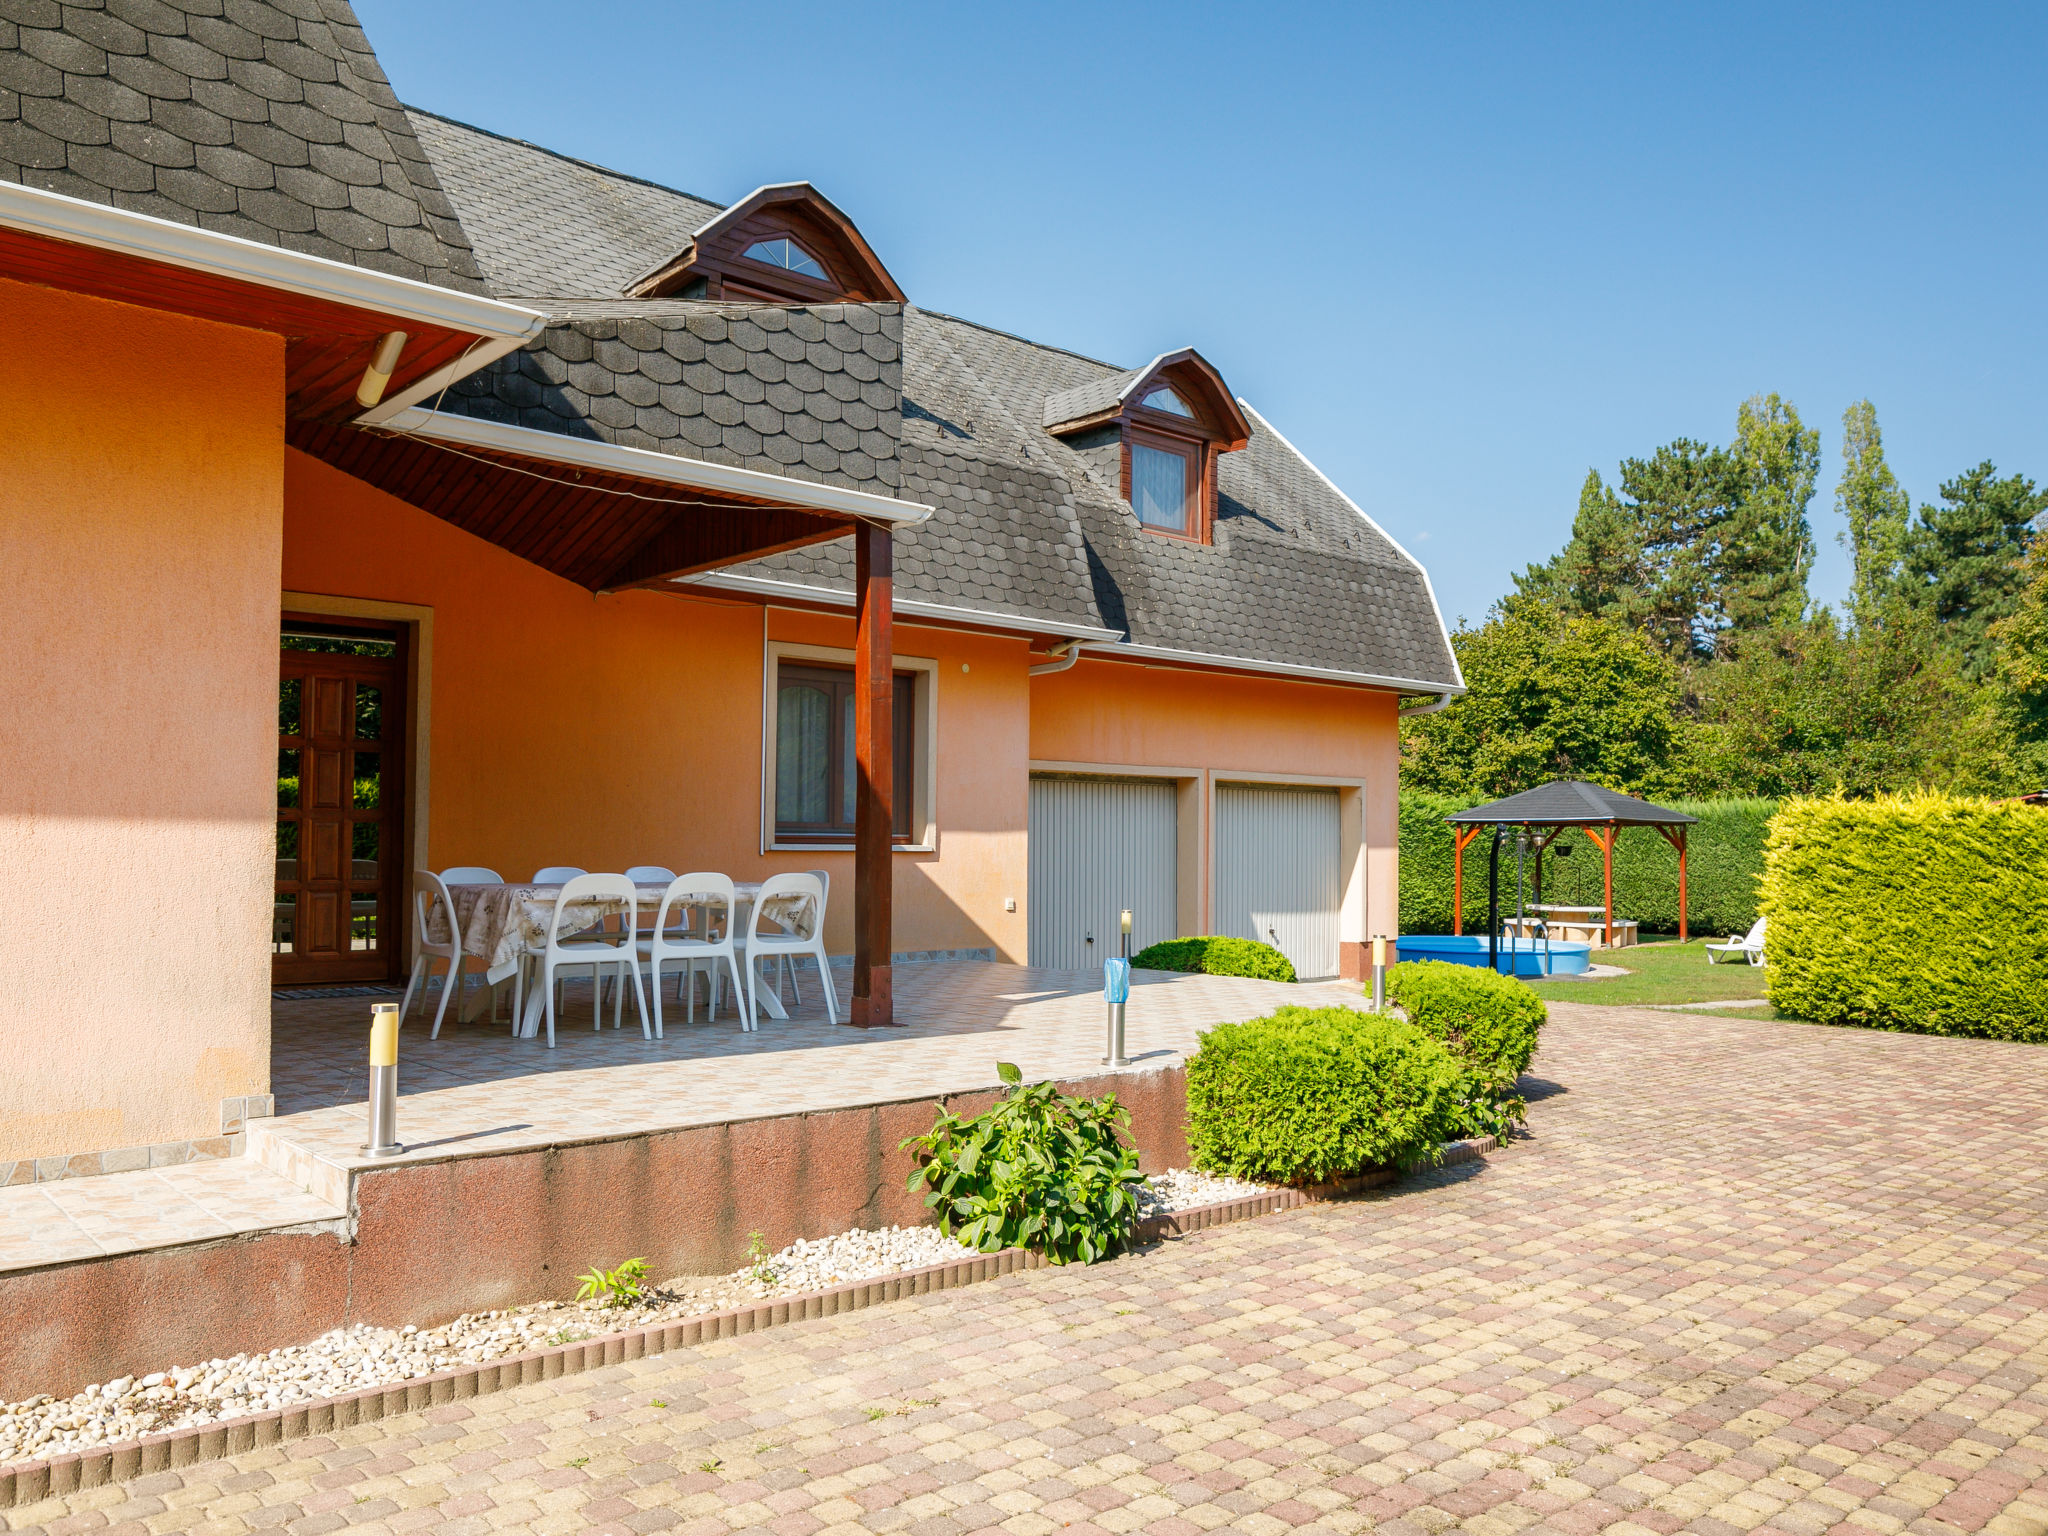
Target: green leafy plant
(1489, 1022)
(1480, 1109)
(1308, 1094)
(1216, 955)
(619, 1287)
(1036, 1169)
(757, 1259)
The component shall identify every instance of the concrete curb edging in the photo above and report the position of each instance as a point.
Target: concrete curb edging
(31, 1482)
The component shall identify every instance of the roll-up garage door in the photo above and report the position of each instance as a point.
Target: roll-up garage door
(1277, 877)
(1097, 847)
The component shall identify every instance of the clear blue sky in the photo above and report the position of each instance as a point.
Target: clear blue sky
(1457, 254)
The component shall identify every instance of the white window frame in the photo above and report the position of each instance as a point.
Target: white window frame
(924, 777)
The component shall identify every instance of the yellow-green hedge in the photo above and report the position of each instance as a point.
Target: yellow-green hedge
(1919, 912)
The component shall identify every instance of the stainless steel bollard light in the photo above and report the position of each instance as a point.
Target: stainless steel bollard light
(1379, 973)
(1116, 991)
(383, 1082)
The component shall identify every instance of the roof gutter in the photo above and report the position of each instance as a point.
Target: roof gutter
(1417, 711)
(1068, 653)
(905, 607)
(644, 464)
(77, 222)
(1278, 669)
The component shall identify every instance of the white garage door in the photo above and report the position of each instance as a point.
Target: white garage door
(1277, 871)
(1097, 847)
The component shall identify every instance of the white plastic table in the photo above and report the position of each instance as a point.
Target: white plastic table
(501, 923)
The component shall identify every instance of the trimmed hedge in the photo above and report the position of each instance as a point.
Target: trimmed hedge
(1724, 861)
(1216, 955)
(1920, 912)
(1307, 1094)
(1488, 1021)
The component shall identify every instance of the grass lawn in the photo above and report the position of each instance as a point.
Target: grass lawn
(1658, 973)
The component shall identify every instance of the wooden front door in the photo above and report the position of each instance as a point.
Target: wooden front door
(340, 821)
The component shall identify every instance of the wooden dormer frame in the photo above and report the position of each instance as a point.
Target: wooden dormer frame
(715, 266)
(1217, 427)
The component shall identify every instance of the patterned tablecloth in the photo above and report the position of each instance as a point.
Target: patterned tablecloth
(500, 922)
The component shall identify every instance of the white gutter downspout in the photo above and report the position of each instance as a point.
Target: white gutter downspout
(1416, 711)
(1068, 653)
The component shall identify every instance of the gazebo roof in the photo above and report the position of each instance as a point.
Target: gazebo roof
(1571, 803)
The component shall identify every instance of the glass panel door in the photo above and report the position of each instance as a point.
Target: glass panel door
(339, 820)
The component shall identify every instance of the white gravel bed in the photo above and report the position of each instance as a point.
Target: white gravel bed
(353, 1359)
(1177, 1189)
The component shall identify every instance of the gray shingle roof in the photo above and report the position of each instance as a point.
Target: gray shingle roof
(268, 119)
(1024, 523)
(1573, 803)
(1085, 400)
(546, 226)
(813, 393)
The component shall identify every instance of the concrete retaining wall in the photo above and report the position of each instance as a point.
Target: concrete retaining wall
(434, 1240)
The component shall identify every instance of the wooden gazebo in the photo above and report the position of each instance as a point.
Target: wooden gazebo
(1569, 803)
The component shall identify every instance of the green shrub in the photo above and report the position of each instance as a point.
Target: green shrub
(1919, 912)
(1489, 1022)
(1724, 861)
(1035, 1170)
(1217, 955)
(1307, 1094)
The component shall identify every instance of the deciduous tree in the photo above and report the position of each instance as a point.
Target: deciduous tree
(1552, 696)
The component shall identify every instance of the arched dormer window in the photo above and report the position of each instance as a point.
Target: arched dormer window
(1171, 418)
(785, 253)
(778, 245)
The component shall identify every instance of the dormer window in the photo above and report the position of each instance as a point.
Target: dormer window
(785, 253)
(1163, 475)
(1173, 418)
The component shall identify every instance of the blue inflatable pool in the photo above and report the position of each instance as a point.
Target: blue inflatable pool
(1527, 956)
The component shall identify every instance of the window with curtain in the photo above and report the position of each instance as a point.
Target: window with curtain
(1160, 479)
(815, 769)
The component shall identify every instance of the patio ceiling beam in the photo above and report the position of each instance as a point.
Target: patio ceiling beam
(704, 538)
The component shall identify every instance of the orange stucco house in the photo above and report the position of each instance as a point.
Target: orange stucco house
(382, 494)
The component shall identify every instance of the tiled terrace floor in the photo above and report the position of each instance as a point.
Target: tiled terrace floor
(476, 1090)
(1746, 1277)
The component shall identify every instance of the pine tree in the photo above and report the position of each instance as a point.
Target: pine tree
(1963, 557)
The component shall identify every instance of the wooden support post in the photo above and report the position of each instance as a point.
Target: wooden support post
(1675, 836)
(1460, 836)
(1607, 881)
(1606, 846)
(874, 823)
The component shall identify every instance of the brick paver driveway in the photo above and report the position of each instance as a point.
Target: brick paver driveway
(1744, 1276)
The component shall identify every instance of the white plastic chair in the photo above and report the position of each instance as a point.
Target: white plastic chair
(556, 874)
(788, 970)
(671, 942)
(650, 874)
(1750, 946)
(428, 890)
(599, 949)
(791, 944)
(472, 874)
